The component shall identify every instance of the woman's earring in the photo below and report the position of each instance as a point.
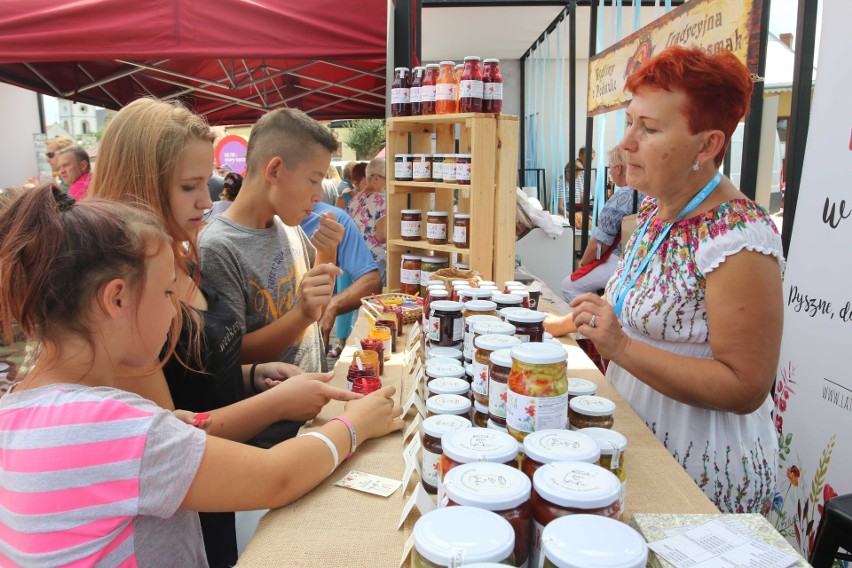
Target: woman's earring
(696, 166)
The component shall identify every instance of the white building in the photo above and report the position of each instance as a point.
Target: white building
(76, 118)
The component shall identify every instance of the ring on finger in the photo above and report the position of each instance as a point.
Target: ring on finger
(592, 321)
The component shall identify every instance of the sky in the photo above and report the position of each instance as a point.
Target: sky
(782, 18)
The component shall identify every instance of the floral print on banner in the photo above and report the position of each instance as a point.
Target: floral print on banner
(731, 457)
(366, 209)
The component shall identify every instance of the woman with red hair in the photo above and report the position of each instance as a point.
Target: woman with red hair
(691, 322)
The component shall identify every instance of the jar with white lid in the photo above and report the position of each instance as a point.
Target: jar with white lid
(464, 165)
(477, 445)
(448, 404)
(487, 327)
(498, 383)
(422, 167)
(436, 369)
(537, 398)
(504, 313)
(403, 167)
(494, 426)
(613, 446)
(448, 321)
(580, 387)
(434, 428)
(529, 325)
(479, 414)
(507, 301)
(411, 224)
(590, 541)
(498, 488)
(486, 283)
(469, 322)
(409, 274)
(591, 412)
(447, 385)
(570, 488)
(548, 446)
(485, 345)
(449, 352)
(475, 294)
(444, 536)
(437, 227)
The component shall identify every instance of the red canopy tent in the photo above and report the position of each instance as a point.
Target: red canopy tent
(230, 60)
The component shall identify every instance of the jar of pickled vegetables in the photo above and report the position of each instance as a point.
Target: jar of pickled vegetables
(548, 446)
(477, 445)
(443, 536)
(592, 542)
(485, 345)
(591, 412)
(537, 398)
(448, 404)
(498, 383)
(409, 274)
(434, 428)
(428, 266)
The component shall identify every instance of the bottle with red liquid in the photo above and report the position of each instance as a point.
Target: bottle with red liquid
(401, 93)
(470, 86)
(427, 90)
(417, 91)
(492, 97)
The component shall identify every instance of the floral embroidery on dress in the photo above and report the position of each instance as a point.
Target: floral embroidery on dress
(366, 209)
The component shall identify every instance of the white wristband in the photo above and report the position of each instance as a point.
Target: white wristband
(328, 443)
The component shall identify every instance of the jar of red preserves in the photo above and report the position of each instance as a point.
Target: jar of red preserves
(434, 428)
(416, 89)
(470, 86)
(492, 82)
(401, 93)
(411, 223)
(477, 445)
(427, 89)
(548, 446)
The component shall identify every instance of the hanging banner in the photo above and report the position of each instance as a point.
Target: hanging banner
(711, 25)
(231, 151)
(813, 414)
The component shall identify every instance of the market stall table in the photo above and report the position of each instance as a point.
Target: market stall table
(337, 527)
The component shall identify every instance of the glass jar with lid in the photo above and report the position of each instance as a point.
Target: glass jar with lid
(498, 488)
(449, 168)
(477, 307)
(591, 412)
(613, 446)
(403, 167)
(434, 428)
(572, 488)
(592, 541)
(529, 325)
(410, 226)
(448, 404)
(492, 87)
(450, 322)
(439, 369)
(448, 352)
(494, 426)
(477, 445)
(447, 385)
(421, 167)
(525, 296)
(437, 223)
(470, 86)
(461, 230)
(498, 383)
(507, 301)
(444, 535)
(537, 398)
(438, 168)
(479, 414)
(457, 289)
(485, 327)
(409, 274)
(428, 266)
(504, 313)
(485, 345)
(427, 89)
(401, 92)
(469, 322)
(432, 295)
(464, 166)
(548, 446)
(472, 294)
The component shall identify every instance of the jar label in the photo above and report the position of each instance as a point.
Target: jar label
(400, 96)
(535, 548)
(449, 171)
(459, 234)
(403, 170)
(415, 94)
(493, 92)
(497, 393)
(463, 171)
(422, 169)
(531, 414)
(408, 276)
(523, 337)
(445, 92)
(470, 89)
(437, 170)
(458, 329)
(468, 345)
(425, 277)
(427, 93)
(411, 229)
(480, 378)
(429, 468)
(436, 231)
(435, 325)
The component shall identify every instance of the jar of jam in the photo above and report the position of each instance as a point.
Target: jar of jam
(401, 93)
(356, 372)
(427, 89)
(444, 535)
(440, 361)
(410, 227)
(366, 385)
(498, 383)
(428, 266)
(469, 322)
(457, 289)
(470, 86)
(436, 227)
(591, 412)
(592, 542)
(571, 488)
(479, 415)
(403, 167)
(580, 387)
(447, 352)
(439, 369)
(492, 83)
(438, 168)
(477, 307)
(529, 325)
(422, 167)
(383, 334)
(461, 230)
(484, 283)
(507, 301)
(463, 169)
(504, 313)
(378, 346)
(434, 428)
(448, 404)
(448, 315)
(474, 294)
(511, 284)
(525, 296)
(409, 275)
(447, 385)
(415, 92)
(613, 446)
(485, 345)
(538, 389)
(446, 89)
(367, 358)
(390, 324)
(449, 168)
(548, 446)
(498, 488)
(477, 445)
(494, 426)
(433, 295)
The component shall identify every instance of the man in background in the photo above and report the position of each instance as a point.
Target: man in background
(75, 171)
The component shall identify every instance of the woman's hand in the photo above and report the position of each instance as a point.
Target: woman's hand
(375, 415)
(270, 374)
(606, 333)
(303, 397)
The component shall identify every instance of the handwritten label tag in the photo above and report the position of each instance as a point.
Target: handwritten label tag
(410, 452)
(421, 406)
(410, 468)
(406, 550)
(369, 483)
(414, 334)
(415, 424)
(420, 499)
(412, 397)
(418, 382)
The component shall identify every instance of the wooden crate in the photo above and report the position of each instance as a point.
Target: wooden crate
(492, 142)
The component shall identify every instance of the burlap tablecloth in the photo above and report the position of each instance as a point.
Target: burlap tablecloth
(333, 527)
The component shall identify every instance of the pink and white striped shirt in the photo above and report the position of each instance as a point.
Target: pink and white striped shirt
(94, 476)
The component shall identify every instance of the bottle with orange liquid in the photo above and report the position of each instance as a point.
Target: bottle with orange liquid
(446, 90)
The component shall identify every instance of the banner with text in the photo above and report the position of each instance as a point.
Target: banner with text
(712, 25)
(813, 395)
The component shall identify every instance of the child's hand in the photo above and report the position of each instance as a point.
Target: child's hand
(270, 374)
(200, 420)
(317, 290)
(329, 234)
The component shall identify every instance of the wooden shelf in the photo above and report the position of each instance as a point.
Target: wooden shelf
(401, 245)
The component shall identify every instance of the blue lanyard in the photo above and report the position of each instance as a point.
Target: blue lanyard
(621, 290)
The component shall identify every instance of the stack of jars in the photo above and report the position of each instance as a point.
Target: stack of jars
(438, 229)
(447, 88)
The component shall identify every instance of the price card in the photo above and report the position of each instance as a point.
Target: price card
(421, 407)
(410, 468)
(414, 334)
(369, 483)
(415, 424)
(406, 550)
(412, 397)
(409, 454)
(421, 500)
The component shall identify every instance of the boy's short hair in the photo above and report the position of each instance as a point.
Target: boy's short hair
(289, 134)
